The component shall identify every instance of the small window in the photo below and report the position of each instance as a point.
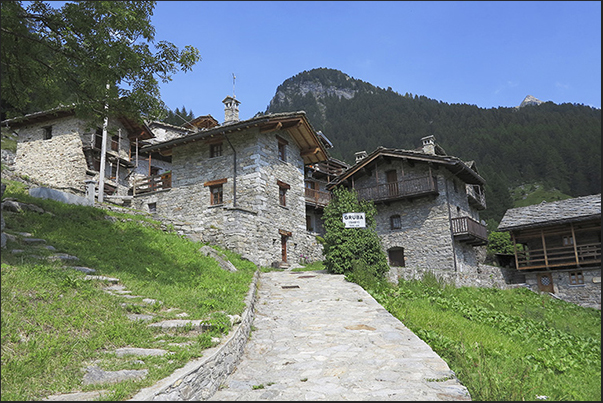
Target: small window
(98, 138)
(215, 150)
(396, 257)
(395, 222)
(47, 132)
(113, 171)
(114, 143)
(568, 240)
(154, 171)
(216, 195)
(309, 223)
(152, 207)
(282, 192)
(576, 277)
(282, 149)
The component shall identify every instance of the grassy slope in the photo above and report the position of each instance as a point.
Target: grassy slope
(503, 344)
(54, 324)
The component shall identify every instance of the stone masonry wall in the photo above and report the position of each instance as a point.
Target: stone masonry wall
(250, 228)
(587, 294)
(59, 162)
(425, 232)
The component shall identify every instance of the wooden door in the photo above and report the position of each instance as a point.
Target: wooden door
(284, 248)
(545, 282)
(392, 182)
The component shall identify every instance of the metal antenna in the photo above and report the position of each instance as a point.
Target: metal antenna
(233, 85)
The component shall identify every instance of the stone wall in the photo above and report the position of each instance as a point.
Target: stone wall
(587, 294)
(250, 226)
(425, 233)
(200, 379)
(59, 162)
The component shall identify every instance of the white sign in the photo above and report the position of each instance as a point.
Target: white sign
(354, 220)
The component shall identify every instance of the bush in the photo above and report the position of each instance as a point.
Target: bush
(343, 246)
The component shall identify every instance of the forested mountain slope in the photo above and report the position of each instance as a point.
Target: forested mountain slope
(556, 145)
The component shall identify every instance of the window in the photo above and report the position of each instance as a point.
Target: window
(282, 148)
(152, 207)
(568, 240)
(216, 195)
(282, 193)
(215, 150)
(98, 138)
(114, 143)
(396, 257)
(395, 222)
(309, 223)
(154, 171)
(113, 171)
(47, 132)
(576, 277)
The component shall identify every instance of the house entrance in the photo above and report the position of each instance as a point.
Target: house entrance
(545, 282)
(284, 236)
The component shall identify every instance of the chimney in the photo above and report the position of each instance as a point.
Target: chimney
(231, 110)
(429, 145)
(360, 155)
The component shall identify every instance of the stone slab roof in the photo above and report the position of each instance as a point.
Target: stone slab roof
(552, 213)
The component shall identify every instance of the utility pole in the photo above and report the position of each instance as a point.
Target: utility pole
(101, 179)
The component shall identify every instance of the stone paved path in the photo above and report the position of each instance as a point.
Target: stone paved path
(318, 337)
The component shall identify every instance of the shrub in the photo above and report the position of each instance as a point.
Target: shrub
(343, 246)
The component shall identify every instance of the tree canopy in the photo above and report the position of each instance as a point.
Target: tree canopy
(87, 54)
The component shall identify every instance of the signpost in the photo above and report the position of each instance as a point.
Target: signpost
(354, 220)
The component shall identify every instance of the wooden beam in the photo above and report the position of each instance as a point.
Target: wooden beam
(276, 127)
(309, 151)
(215, 182)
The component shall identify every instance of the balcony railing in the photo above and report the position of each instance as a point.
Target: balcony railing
(317, 197)
(153, 183)
(560, 257)
(466, 229)
(407, 188)
(476, 197)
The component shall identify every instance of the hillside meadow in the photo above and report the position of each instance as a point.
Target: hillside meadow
(502, 344)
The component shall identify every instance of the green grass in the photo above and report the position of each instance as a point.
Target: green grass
(530, 194)
(54, 324)
(502, 344)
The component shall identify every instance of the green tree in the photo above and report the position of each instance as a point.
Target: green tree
(345, 248)
(178, 117)
(52, 57)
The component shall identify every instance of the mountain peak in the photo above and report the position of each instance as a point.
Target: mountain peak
(530, 100)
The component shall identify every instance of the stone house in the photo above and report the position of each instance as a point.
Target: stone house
(428, 206)
(557, 246)
(62, 151)
(241, 184)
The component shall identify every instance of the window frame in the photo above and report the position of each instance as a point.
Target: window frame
(282, 192)
(215, 150)
(578, 278)
(282, 148)
(47, 132)
(216, 195)
(393, 219)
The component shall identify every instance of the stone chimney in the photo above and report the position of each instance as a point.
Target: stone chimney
(231, 110)
(360, 155)
(429, 145)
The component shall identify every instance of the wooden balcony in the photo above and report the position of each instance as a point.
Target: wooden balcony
(404, 189)
(466, 229)
(560, 257)
(153, 183)
(318, 198)
(476, 197)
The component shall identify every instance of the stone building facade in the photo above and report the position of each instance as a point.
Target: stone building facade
(241, 185)
(558, 247)
(428, 207)
(62, 151)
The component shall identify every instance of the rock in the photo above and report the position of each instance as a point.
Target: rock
(222, 260)
(141, 352)
(96, 375)
(47, 193)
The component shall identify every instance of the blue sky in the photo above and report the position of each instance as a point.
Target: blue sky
(482, 53)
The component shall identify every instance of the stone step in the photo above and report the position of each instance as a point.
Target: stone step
(141, 352)
(95, 375)
(102, 278)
